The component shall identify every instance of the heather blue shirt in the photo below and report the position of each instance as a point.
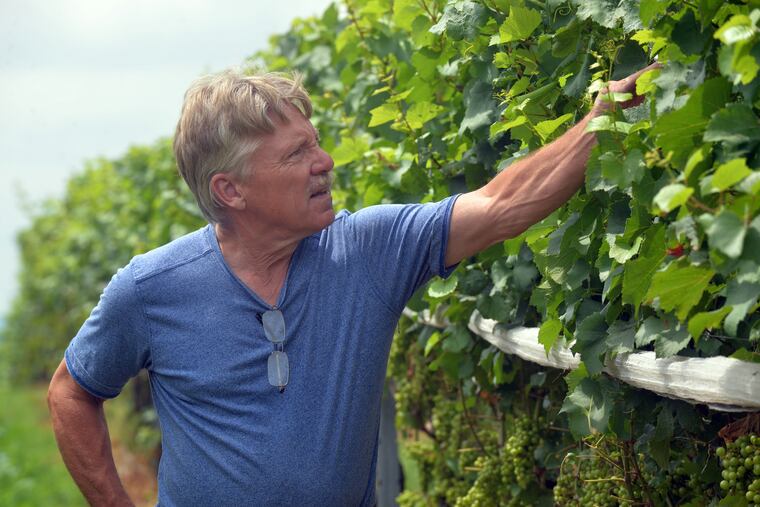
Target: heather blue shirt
(228, 437)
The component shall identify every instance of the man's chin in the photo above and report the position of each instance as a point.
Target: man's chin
(329, 217)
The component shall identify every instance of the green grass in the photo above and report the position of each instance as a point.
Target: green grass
(32, 472)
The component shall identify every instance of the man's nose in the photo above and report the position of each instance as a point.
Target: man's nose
(324, 163)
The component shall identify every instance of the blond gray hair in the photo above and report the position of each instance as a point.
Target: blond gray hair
(223, 118)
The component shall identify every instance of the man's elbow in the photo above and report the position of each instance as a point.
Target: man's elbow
(63, 390)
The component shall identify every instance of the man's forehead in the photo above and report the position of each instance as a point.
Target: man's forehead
(294, 123)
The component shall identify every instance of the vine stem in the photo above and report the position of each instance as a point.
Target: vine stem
(696, 203)
(352, 15)
(469, 421)
(603, 455)
(626, 472)
(647, 491)
(425, 7)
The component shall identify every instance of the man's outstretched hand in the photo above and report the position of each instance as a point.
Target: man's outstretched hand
(625, 85)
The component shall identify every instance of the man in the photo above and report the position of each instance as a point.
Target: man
(266, 333)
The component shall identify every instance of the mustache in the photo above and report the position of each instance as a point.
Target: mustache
(322, 183)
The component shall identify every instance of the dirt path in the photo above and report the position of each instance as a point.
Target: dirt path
(136, 474)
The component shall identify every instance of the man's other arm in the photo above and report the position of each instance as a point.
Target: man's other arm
(80, 428)
(530, 189)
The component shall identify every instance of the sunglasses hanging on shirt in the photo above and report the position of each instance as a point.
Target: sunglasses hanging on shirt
(278, 369)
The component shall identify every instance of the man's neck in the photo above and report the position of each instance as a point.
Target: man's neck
(259, 258)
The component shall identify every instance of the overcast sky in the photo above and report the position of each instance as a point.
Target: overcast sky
(85, 78)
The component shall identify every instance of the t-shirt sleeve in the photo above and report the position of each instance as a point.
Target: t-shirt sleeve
(403, 246)
(113, 343)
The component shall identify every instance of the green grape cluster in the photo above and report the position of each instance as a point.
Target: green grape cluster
(587, 479)
(502, 477)
(411, 379)
(488, 490)
(740, 461)
(517, 457)
(567, 481)
(449, 428)
(408, 394)
(413, 499)
(685, 486)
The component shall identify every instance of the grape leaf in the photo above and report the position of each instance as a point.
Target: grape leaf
(659, 446)
(441, 287)
(730, 173)
(493, 307)
(650, 9)
(519, 25)
(677, 131)
(349, 150)
(607, 123)
(737, 29)
(548, 333)
(736, 123)
(590, 337)
(461, 20)
(671, 341)
(574, 378)
(479, 106)
(671, 79)
(706, 320)
(672, 196)
(432, 341)
(610, 13)
(547, 127)
(679, 287)
(383, 114)
(588, 408)
(668, 338)
(404, 13)
(688, 36)
(581, 75)
(629, 59)
(638, 272)
(621, 337)
(421, 112)
(740, 297)
(456, 338)
(726, 233)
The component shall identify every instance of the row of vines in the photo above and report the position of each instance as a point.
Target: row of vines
(419, 99)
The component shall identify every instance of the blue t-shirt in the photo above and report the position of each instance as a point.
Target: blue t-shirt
(228, 437)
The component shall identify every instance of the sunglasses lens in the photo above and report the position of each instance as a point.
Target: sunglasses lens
(278, 369)
(274, 326)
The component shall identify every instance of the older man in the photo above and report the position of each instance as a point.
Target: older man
(266, 333)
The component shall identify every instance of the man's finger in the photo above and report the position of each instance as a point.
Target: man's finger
(636, 75)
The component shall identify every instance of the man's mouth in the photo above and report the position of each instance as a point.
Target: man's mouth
(321, 193)
(322, 187)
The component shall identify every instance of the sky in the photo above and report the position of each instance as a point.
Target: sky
(80, 79)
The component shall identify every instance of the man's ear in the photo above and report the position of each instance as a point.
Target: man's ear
(225, 190)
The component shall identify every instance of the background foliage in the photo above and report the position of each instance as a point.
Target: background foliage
(418, 99)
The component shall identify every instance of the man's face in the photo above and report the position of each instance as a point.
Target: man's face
(288, 188)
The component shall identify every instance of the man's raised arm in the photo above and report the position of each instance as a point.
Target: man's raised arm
(530, 189)
(80, 428)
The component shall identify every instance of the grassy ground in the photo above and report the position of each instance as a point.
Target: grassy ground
(31, 470)
(32, 473)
